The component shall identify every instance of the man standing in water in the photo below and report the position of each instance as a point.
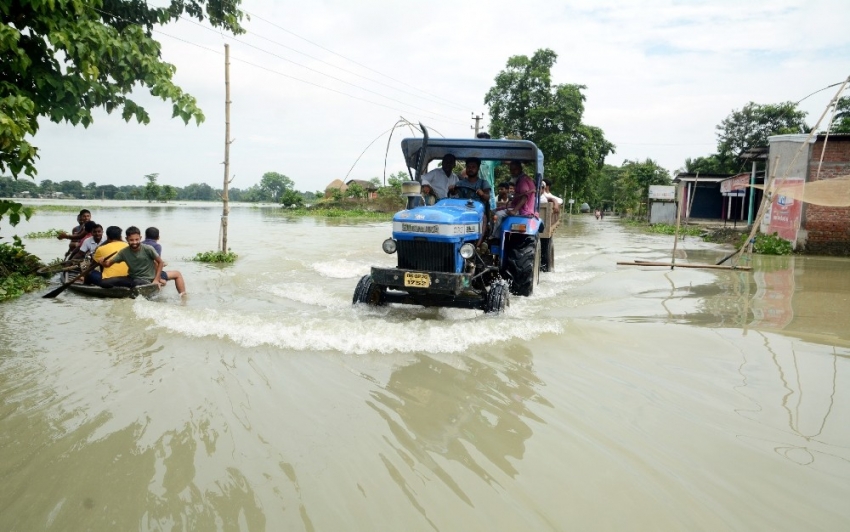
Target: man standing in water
(143, 262)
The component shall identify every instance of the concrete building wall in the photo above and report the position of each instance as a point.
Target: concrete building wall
(828, 228)
(788, 161)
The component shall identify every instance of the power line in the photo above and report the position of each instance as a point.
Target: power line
(326, 75)
(430, 114)
(347, 58)
(347, 71)
(296, 78)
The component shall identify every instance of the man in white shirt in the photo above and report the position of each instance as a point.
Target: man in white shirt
(91, 243)
(547, 196)
(443, 178)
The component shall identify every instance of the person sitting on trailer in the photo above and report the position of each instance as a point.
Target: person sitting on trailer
(546, 196)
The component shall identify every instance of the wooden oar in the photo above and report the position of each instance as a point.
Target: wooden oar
(94, 264)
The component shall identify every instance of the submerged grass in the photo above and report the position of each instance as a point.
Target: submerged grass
(336, 212)
(17, 284)
(50, 233)
(663, 229)
(216, 257)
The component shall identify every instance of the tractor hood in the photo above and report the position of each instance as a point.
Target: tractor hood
(449, 217)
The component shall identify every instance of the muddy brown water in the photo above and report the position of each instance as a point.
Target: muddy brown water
(614, 398)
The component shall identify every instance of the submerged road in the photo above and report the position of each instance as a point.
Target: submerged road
(614, 398)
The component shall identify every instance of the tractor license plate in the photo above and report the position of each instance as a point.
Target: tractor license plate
(417, 280)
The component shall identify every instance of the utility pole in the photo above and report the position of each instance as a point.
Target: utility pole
(224, 197)
(477, 126)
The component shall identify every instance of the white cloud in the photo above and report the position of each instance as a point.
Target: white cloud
(660, 76)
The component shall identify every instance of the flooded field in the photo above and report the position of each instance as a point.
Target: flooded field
(615, 398)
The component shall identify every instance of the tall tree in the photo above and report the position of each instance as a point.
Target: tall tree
(751, 126)
(151, 188)
(273, 185)
(524, 103)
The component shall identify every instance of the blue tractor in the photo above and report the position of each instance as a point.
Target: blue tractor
(439, 261)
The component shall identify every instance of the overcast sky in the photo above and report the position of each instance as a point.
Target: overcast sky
(660, 75)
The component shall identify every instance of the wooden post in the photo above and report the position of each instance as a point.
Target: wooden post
(693, 195)
(678, 221)
(224, 197)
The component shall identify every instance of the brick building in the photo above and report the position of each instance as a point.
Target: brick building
(828, 228)
(815, 229)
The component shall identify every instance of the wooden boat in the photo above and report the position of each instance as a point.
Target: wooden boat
(145, 290)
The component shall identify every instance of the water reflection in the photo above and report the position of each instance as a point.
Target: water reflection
(807, 297)
(474, 417)
(805, 386)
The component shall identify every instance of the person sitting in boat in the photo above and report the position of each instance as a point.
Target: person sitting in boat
(90, 244)
(143, 262)
(152, 240)
(77, 233)
(74, 252)
(114, 274)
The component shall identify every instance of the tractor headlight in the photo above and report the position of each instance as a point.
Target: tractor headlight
(389, 246)
(467, 250)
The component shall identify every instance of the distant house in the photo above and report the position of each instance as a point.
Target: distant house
(335, 184)
(368, 186)
(702, 193)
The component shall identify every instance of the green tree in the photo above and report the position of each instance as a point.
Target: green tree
(841, 120)
(393, 188)
(711, 164)
(63, 58)
(356, 191)
(635, 179)
(292, 198)
(524, 103)
(751, 126)
(151, 189)
(273, 185)
(167, 193)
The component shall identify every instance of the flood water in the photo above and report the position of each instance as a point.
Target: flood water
(614, 398)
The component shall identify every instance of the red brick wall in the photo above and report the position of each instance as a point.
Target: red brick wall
(828, 227)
